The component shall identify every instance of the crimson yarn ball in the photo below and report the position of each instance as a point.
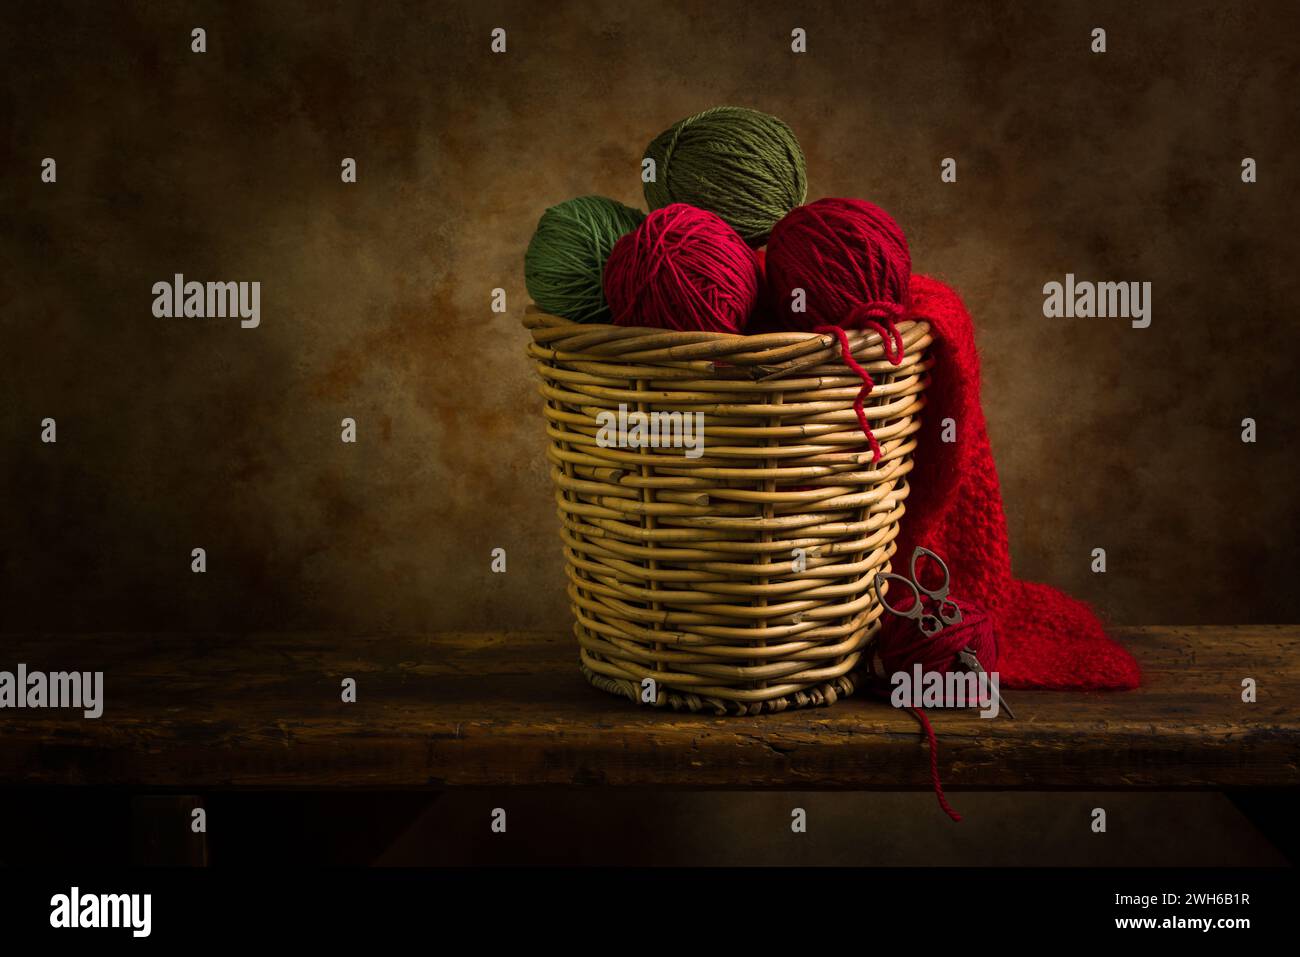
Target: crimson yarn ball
(900, 643)
(844, 254)
(683, 268)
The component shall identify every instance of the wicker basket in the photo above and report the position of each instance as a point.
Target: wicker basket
(685, 570)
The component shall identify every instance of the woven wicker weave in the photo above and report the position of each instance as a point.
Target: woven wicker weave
(683, 569)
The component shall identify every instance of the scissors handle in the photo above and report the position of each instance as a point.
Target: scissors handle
(946, 610)
(938, 594)
(949, 611)
(912, 611)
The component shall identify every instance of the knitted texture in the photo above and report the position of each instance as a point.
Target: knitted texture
(741, 164)
(1046, 639)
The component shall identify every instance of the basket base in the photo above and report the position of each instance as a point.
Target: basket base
(826, 693)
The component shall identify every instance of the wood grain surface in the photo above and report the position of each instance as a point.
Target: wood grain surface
(196, 711)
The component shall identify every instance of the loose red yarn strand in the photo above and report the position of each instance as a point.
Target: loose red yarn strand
(892, 341)
(867, 386)
(934, 765)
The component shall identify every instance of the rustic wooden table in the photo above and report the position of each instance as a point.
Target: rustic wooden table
(439, 711)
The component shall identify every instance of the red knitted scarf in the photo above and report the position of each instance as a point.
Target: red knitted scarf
(1046, 638)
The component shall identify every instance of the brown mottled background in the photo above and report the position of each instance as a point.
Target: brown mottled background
(225, 166)
(174, 433)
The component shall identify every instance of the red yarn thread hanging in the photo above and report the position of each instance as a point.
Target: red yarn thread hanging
(901, 646)
(851, 260)
(685, 269)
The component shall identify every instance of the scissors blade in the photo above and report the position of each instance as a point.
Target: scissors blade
(967, 657)
(1002, 703)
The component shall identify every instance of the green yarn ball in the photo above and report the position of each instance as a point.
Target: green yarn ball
(566, 256)
(744, 165)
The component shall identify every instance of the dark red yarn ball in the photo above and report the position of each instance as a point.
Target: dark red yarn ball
(844, 253)
(901, 643)
(683, 268)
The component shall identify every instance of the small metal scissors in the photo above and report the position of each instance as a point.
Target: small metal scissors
(946, 611)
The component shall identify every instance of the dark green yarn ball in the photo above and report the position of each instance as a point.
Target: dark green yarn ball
(566, 257)
(741, 164)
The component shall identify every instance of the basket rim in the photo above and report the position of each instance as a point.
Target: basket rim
(537, 318)
(775, 354)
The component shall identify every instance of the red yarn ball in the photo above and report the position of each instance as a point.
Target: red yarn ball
(844, 254)
(901, 643)
(683, 268)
